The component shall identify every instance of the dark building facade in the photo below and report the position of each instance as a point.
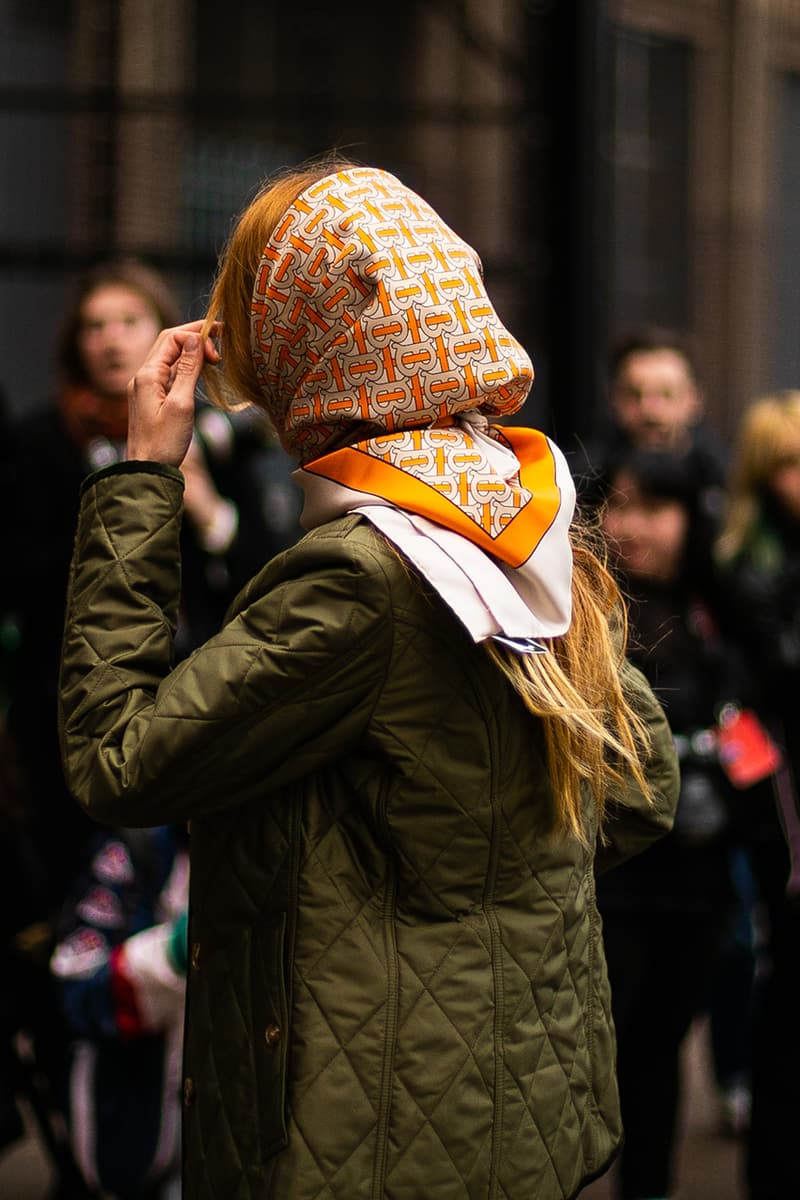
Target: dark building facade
(613, 162)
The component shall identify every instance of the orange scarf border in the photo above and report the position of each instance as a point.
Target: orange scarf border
(357, 468)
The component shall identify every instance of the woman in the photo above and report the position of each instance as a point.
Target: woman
(396, 754)
(116, 312)
(665, 912)
(112, 318)
(759, 551)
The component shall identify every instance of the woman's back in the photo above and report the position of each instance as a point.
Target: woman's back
(397, 985)
(437, 936)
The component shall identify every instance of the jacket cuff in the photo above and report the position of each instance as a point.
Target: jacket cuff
(132, 468)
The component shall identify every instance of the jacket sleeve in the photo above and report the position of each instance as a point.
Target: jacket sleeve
(285, 687)
(631, 822)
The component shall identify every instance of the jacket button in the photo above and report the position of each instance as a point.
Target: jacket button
(272, 1035)
(188, 1091)
(195, 955)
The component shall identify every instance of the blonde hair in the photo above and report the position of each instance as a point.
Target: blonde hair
(769, 428)
(234, 383)
(592, 734)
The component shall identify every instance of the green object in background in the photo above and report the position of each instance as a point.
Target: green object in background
(177, 946)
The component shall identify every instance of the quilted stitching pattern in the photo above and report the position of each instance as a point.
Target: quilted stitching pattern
(442, 1006)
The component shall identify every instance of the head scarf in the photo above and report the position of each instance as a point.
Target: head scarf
(381, 357)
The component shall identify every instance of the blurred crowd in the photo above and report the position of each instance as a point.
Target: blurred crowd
(94, 920)
(707, 546)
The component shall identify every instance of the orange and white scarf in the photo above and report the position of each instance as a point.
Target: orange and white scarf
(381, 359)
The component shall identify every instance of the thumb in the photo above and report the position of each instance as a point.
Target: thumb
(191, 360)
(186, 372)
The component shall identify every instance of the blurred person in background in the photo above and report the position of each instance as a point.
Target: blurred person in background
(759, 553)
(654, 402)
(114, 315)
(115, 312)
(119, 968)
(665, 912)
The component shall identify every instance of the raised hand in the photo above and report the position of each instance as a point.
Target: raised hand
(161, 395)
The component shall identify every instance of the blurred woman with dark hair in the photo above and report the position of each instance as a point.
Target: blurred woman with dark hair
(114, 313)
(664, 912)
(113, 316)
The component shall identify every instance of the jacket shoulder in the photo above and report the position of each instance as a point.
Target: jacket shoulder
(349, 548)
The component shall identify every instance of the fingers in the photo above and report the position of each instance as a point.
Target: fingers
(161, 394)
(169, 344)
(186, 370)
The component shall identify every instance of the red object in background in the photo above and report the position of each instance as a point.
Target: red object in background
(747, 753)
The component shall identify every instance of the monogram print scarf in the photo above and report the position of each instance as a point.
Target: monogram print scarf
(381, 360)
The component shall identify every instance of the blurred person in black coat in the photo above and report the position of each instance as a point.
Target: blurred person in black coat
(664, 913)
(239, 512)
(115, 313)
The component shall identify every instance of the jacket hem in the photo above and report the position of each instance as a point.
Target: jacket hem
(587, 1179)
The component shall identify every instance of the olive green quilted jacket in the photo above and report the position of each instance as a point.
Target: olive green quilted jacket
(396, 982)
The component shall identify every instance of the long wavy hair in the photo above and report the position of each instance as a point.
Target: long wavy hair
(593, 736)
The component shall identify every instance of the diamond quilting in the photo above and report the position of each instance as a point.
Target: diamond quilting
(438, 946)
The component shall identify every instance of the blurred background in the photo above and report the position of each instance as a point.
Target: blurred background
(614, 161)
